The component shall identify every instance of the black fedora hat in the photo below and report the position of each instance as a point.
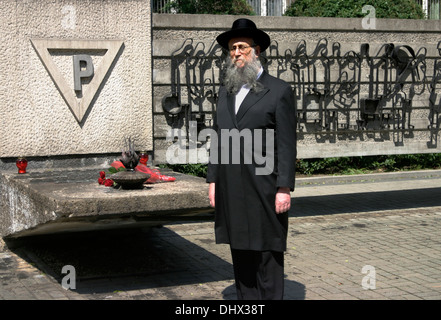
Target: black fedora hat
(245, 28)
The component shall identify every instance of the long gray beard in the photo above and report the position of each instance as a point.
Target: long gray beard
(235, 77)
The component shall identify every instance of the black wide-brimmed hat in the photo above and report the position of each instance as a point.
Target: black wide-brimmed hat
(245, 28)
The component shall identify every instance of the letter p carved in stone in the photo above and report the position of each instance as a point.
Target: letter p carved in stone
(82, 68)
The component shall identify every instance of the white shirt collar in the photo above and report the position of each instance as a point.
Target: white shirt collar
(240, 96)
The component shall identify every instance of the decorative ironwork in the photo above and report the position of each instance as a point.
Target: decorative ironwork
(372, 89)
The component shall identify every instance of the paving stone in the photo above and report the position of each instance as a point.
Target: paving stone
(328, 246)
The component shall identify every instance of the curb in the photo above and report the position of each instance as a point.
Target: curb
(369, 177)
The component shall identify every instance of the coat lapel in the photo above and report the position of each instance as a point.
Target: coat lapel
(250, 100)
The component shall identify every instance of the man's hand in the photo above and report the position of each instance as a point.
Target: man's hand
(211, 188)
(283, 200)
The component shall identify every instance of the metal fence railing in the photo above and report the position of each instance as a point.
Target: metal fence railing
(270, 7)
(260, 7)
(432, 8)
(161, 6)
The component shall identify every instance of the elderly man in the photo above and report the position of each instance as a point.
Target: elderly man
(252, 169)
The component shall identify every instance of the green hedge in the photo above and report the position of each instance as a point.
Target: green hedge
(197, 169)
(356, 165)
(342, 165)
(390, 9)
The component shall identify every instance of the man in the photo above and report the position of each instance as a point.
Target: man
(252, 169)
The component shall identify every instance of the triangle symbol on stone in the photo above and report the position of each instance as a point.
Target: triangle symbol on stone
(78, 108)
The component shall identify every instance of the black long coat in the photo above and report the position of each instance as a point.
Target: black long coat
(245, 201)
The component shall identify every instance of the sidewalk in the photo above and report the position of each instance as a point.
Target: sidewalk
(356, 237)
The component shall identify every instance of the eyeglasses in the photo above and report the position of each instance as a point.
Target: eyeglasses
(241, 48)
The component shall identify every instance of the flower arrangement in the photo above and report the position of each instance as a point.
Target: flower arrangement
(103, 181)
(117, 166)
(130, 161)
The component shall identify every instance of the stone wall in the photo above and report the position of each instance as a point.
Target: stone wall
(42, 113)
(155, 73)
(358, 91)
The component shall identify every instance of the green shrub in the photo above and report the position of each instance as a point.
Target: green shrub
(197, 169)
(357, 165)
(342, 165)
(390, 9)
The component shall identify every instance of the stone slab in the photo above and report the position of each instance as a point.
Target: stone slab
(70, 200)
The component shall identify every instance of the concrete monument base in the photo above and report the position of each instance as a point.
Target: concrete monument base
(64, 200)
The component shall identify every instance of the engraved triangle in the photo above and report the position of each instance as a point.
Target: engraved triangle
(78, 108)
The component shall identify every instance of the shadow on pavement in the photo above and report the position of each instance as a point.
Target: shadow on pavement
(132, 259)
(118, 260)
(364, 202)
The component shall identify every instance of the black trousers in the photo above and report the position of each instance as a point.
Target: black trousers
(258, 275)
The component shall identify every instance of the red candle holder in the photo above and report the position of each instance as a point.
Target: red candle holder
(21, 163)
(143, 157)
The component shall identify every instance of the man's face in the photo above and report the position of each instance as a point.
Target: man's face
(241, 51)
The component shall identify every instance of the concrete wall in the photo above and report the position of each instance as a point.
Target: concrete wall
(141, 62)
(186, 63)
(40, 112)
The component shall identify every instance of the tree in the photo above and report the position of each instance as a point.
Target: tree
(388, 9)
(234, 7)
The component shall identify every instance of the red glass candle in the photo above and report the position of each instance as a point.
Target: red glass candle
(143, 157)
(21, 163)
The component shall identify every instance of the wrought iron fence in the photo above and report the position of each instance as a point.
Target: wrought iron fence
(374, 90)
(260, 7)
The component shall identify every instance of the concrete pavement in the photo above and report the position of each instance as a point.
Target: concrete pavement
(357, 237)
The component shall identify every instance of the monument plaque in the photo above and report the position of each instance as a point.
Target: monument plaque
(78, 103)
